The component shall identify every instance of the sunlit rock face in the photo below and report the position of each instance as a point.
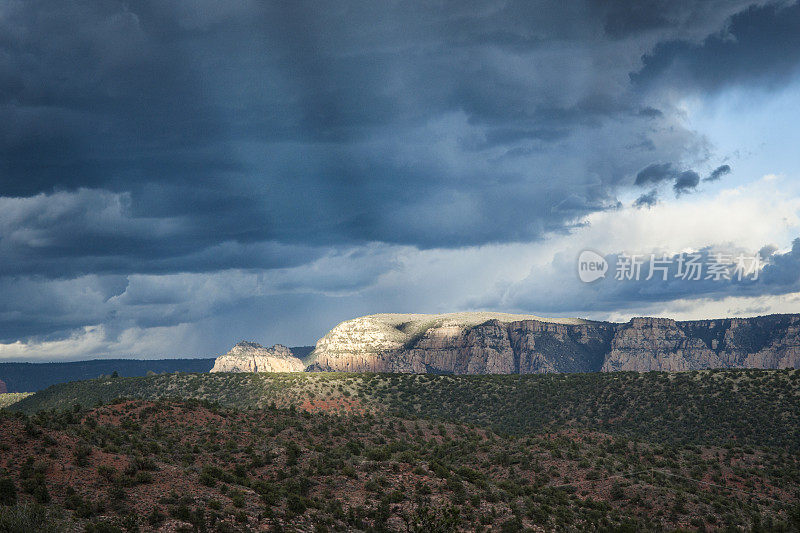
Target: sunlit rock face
(252, 357)
(497, 343)
(463, 343)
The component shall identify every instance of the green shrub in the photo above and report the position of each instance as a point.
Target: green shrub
(143, 477)
(617, 491)
(82, 453)
(156, 517)
(103, 526)
(8, 492)
(293, 452)
(296, 504)
(378, 453)
(29, 519)
(107, 472)
(237, 498)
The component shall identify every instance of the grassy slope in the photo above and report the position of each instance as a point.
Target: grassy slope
(759, 407)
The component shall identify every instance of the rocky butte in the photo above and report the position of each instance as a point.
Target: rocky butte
(252, 357)
(497, 343)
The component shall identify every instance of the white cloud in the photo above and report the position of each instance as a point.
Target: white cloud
(535, 277)
(96, 341)
(702, 308)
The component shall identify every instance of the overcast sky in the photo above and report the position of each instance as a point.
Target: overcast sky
(176, 176)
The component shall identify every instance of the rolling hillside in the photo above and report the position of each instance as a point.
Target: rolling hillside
(176, 465)
(759, 407)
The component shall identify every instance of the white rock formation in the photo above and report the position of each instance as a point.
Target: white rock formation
(252, 357)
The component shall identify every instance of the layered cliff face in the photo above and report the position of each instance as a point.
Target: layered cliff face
(463, 343)
(646, 344)
(252, 357)
(494, 343)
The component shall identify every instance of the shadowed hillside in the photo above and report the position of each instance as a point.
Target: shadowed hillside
(710, 407)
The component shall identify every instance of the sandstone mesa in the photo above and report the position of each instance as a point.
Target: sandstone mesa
(499, 343)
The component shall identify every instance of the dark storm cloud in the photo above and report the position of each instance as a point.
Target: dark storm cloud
(718, 172)
(67, 234)
(647, 200)
(686, 181)
(656, 173)
(171, 137)
(684, 18)
(651, 112)
(271, 121)
(783, 273)
(760, 45)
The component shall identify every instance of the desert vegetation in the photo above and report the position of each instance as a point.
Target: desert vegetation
(136, 465)
(711, 450)
(758, 407)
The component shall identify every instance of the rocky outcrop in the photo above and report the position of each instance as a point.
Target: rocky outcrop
(363, 344)
(3, 388)
(646, 344)
(252, 357)
(495, 343)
